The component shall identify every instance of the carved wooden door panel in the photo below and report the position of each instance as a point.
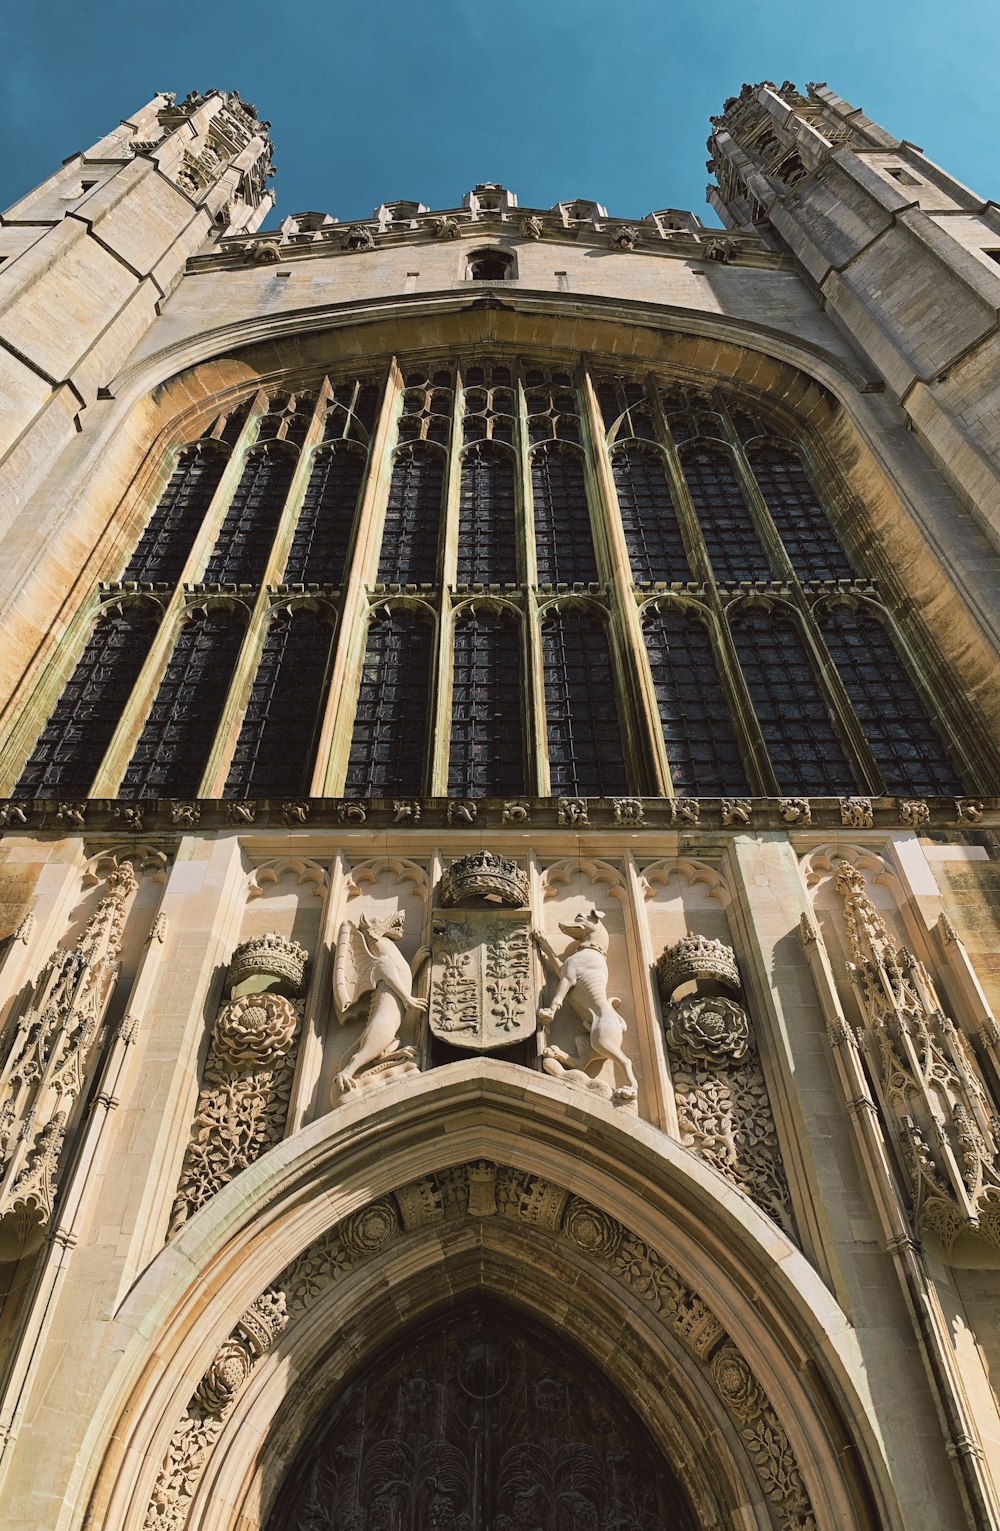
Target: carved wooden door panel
(479, 1423)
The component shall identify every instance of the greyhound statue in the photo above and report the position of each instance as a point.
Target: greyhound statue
(583, 980)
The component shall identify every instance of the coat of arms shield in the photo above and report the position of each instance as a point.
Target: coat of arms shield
(481, 990)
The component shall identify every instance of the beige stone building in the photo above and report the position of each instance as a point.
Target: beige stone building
(499, 868)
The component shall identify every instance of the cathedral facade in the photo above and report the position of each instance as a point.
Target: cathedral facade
(500, 846)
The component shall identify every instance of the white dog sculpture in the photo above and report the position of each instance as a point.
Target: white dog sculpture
(583, 980)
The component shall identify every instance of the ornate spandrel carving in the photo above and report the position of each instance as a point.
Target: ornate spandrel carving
(243, 1104)
(369, 963)
(935, 1102)
(480, 995)
(49, 1059)
(582, 981)
(723, 1109)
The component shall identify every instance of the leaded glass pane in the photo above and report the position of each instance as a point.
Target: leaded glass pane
(803, 526)
(655, 547)
(390, 725)
(172, 528)
(727, 526)
(486, 533)
(276, 750)
(798, 728)
(412, 518)
(581, 714)
(702, 752)
(323, 531)
(564, 546)
(244, 543)
(895, 721)
(175, 744)
(486, 756)
(73, 742)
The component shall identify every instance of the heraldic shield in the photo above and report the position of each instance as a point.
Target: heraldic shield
(481, 978)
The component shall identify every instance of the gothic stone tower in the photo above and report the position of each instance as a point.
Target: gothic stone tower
(499, 800)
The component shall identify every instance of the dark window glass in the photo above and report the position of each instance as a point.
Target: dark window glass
(412, 518)
(175, 743)
(240, 555)
(726, 523)
(655, 548)
(894, 719)
(486, 757)
(804, 748)
(802, 523)
(170, 534)
(581, 715)
(486, 545)
(564, 546)
(702, 752)
(72, 743)
(323, 531)
(390, 725)
(276, 749)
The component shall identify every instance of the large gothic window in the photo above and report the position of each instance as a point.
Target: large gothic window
(702, 754)
(652, 535)
(276, 751)
(799, 733)
(802, 524)
(412, 518)
(170, 534)
(318, 554)
(564, 543)
(244, 543)
(486, 755)
(487, 547)
(174, 746)
(900, 734)
(581, 715)
(731, 537)
(390, 726)
(73, 742)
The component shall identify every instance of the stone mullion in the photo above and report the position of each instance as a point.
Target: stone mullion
(441, 674)
(760, 515)
(643, 734)
(296, 490)
(213, 781)
(537, 779)
(687, 516)
(119, 751)
(334, 747)
(858, 750)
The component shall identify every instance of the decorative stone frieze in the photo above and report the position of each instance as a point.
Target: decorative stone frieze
(484, 875)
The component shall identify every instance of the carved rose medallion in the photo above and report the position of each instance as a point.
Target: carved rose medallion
(481, 978)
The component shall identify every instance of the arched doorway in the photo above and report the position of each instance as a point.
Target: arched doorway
(479, 1421)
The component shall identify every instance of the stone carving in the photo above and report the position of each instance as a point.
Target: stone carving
(484, 875)
(462, 810)
(968, 810)
(198, 1430)
(264, 252)
(723, 1110)
(719, 250)
(515, 811)
(368, 961)
(628, 811)
(352, 813)
(573, 811)
(582, 974)
(243, 1104)
(131, 816)
(914, 812)
(625, 238)
(856, 812)
(516, 1197)
(736, 811)
(480, 979)
(795, 810)
(12, 813)
(684, 810)
(446, 228)
(294, 813)
(531, 227)
(185, 815)
(359, 238)
(934, 1100)
(73, 814)
(48, 1063)
(406, 811)
(241, 813)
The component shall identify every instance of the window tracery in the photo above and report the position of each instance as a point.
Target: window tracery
(412, 518)
(276, 749)
(390, 724)
(322, 536)
(486, 754)
(727, 525)
(166, 543)
(702, 754)
(243, 545)
(581, 715)
(564, 544)
(649, 518)
(813, 548)
(487, 548)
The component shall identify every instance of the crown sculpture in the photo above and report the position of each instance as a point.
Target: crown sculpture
(487, 876)
(269, 956)
(696, 959)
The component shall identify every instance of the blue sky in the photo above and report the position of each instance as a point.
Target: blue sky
(381, 99)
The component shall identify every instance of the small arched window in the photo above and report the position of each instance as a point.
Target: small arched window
(564, 544)
(71, 746)
(581, 713)
(702, 753)
(177, 738)
(323, 531)
(731, 537)
(390, 724)
(412, 518)
(655, 547)
(491, 266)
(486, 758)
(486, 533)
(276, 750)
(172, 528)
(244, 542)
